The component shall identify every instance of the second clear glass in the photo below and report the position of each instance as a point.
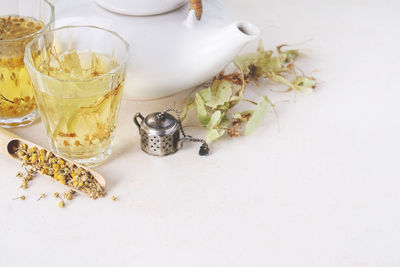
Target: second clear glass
(20, 22)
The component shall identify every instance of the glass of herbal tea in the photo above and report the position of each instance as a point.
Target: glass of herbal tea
(20, 22)
(78, 74)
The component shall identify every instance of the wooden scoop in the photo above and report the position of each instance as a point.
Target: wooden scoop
(9, 144)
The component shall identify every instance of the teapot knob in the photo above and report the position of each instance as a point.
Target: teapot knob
(197, 6)
(136, 121)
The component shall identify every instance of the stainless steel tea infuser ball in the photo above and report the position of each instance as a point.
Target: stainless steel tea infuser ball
(160, 133)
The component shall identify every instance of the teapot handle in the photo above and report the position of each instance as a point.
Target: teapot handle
(136, 121)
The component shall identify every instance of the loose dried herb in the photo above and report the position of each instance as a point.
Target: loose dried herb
(21, 197)
(215, 104)
(61, 204)
(61, 170)
(70, 194)
(257, 115)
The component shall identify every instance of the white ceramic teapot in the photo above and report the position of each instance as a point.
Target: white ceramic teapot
(169, 52)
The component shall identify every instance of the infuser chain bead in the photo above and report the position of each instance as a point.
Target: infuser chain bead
(204, 149)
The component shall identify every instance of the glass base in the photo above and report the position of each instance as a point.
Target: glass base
(19, 122)
(89, 162)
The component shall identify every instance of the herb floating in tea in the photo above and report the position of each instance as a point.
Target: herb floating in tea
(61, 170)
(214, 104)
(16, 94)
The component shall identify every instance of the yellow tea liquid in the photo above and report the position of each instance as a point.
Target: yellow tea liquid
(80, 106)
(16, 93)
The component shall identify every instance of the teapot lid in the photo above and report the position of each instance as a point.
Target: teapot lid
(140, 7)
(160, 121)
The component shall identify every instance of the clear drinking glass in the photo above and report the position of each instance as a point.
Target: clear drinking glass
(20, 22)
(77, 74)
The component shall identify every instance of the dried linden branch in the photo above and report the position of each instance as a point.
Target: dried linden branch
(214, 104)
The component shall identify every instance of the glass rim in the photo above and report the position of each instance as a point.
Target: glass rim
(45, 27)
(28, 54)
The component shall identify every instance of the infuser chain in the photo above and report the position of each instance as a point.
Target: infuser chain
(204, 149)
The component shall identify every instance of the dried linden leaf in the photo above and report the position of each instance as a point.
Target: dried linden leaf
(257, 64)
(304, 84)
(222, 93)
(205, 94)
(218, 94)
(288, 55)
(282, 80)
(215, 119)
(225, 122)
(274, 65)
(214, 134)
(202, 114)
(258, 115)
(264, 63)
(216, 125)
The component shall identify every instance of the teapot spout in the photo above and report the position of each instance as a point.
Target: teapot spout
(214, 54)
(241, 33)
(191, 20)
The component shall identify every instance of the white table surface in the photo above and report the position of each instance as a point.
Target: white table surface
(323, 191)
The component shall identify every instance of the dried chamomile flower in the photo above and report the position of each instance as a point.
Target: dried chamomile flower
(24, 184)
(21, 197)
(114, 198)
(28, 177)
(61, 204)
(56, 195)
(70, 194)
(42, 196)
